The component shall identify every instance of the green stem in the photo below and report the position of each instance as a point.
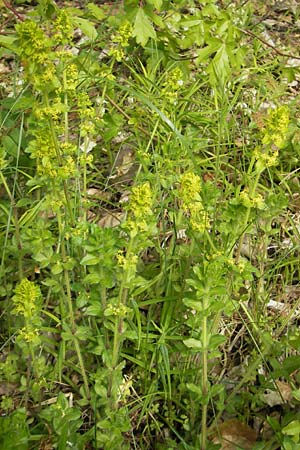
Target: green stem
(66, 103)
(73, 324)
(204, 375)
(70, 309)
(247, 216)
(17, 227)
(118, 327)
(60, 162)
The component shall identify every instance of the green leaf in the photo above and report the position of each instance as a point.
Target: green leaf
(8, 42)
(220, 67)
(143, 29)
(193, 343)
(86, 27)
(215, 340)
(156, 3)
(292, 429)
(57, 268)
(90, 260)
(96, 11)
(193, 304)
(94, 310)
(194, 388)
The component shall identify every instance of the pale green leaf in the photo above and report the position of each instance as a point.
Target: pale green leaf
(92, 278)
(143, 29)
(292, 429)
(193, 304)
(8, 42)
(156, 3)
(86, 26)
(96, 11)
(89, 260)
(193, 343)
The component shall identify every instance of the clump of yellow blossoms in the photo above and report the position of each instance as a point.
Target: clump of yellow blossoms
(28, 303)
(274, 135)
(27, 299)
(276, 126)
(141, 209)
(249, 201)
(63, 27)
(121, 41)
(173, 83)
(189, 193)
(141, 200)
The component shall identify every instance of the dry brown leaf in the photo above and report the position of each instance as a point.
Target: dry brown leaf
(7, 388)
(111, 220)
(235, 435)
(281, 395)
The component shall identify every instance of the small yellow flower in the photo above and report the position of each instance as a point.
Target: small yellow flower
(27, 298)
(141, 201)
(29, 335)
(252, 202)
(190, 188)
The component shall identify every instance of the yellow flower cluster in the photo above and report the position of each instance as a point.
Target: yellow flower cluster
(32, 41)
(117, 311)
(29, 334)
(252, 202)
(86, 113)
(174, 81)
(276, 126)
(121, 41)
(27, 303)
(141, 201)
(189, 193)
(71, 78)
(274, 134)
(265, 159)
(141, 209)
(63, 29)
(27, 299)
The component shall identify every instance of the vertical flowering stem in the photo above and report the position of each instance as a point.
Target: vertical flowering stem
(204, 374)
(17, 227)
(247, 215)
(120, 315)
(59, 159)
(70, 309)
(66, 103)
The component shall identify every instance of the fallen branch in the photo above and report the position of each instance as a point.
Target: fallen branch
(13, 10)
(279, 52)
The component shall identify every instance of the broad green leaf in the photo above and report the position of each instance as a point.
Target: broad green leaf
(215, 340)
(292, 429)
(194, 388)
(89, 260)
(205, 52)
(193, 304)
(92, 278)
(94, 310)
(57, 268)
(156, 3)
(86, 27)
(143, 29)
(193, 343)
(96, 11)
(220, 63)
(7, 42)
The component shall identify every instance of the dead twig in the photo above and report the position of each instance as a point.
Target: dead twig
(279, 52)
(13, 10)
